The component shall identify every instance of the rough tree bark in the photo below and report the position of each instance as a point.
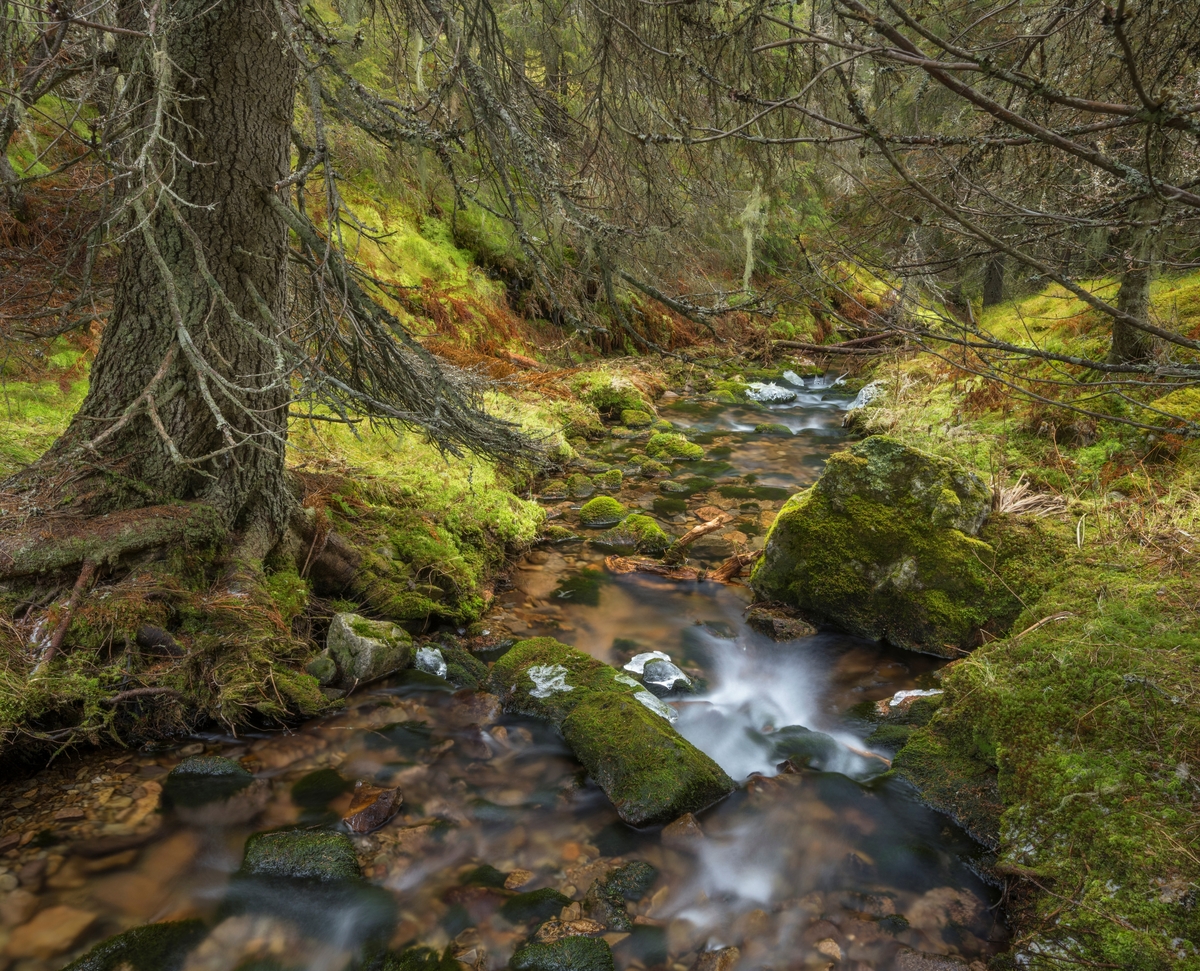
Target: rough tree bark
(1130, 345)
(993, 281)
(231, 112)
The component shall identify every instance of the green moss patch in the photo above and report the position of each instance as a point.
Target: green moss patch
(673, 445)
(601, 511)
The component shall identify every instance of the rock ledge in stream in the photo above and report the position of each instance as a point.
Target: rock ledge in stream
(884, 546)
(650, 772)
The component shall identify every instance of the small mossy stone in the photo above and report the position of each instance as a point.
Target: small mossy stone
(772, 428)
(635, 534)
(567, 954)
(152, 947)
(606, 907)
(418, 959)
(366, 649)
(536, 905)
(580, 486)
(463, 669)
(301, 855)
(485, 876)
(673, 445)
(636, 419)
(318, 789)
(601, 511)
(649, 772)
(805, 747)
(558, 534)
(610, 481)
(633, 880)
(662, 425)
(671, 487)
(323, 668)
(653, 467)
(555, 489)
(204, 779)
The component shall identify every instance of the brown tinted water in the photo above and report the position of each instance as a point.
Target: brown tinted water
(798, 869)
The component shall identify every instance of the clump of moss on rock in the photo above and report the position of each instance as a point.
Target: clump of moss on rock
(609, 480)
(635, 534)
(601, 511)
(650, 772)
(673, 445)
(635, 418)
(885, 545)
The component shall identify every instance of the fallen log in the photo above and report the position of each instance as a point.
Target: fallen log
(733, 566)
(625, 564)
(725, 573)
(845, 348)
(675, 550)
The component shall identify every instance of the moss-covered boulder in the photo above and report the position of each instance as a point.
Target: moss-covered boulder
(650, 772)
(635, 534)
(884, 545)
(636, 418)
(673, 445)
(366, 649)
(153, 947)
(601, 511)
(772, 428)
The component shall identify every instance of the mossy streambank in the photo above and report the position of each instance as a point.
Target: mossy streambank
(1068, 739)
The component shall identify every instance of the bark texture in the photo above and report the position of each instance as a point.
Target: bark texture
(1130, 345)
(230, 114)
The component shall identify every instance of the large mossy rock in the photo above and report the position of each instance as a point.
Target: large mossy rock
(886, 545)
(649, 771)
(366, 649)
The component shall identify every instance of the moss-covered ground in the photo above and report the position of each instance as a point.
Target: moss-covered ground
(1072, 742)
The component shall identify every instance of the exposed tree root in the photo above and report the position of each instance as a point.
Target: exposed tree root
(60, 631)
(51, 544)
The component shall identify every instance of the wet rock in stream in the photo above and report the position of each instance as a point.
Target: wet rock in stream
(211, 790)
(648, 771)
(664, 677)
(312, 880)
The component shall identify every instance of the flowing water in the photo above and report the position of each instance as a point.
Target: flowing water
(834, 868)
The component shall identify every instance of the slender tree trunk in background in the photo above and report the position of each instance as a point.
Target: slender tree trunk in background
(235, 84)
(352, 11)
(1130, 345)
(993, 281)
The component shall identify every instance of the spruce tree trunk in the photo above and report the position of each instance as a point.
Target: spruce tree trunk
(234, 86)
(993, 281)
(1130, 345)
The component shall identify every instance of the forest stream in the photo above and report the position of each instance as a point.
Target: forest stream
(798, 868)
